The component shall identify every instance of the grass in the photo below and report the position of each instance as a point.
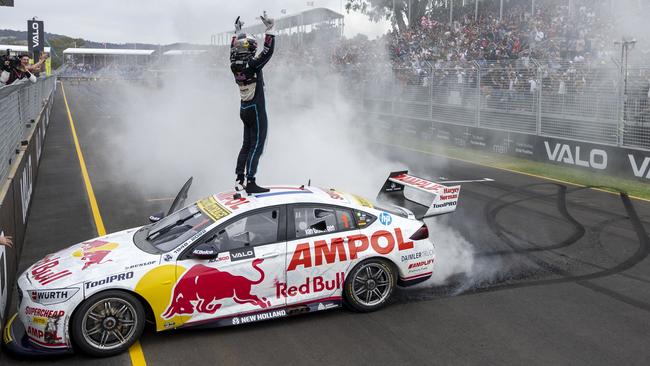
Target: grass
(578, 177)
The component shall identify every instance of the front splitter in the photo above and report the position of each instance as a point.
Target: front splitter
(17, 342)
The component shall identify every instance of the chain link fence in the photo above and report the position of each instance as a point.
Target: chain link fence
(20, 104)
(564, 99)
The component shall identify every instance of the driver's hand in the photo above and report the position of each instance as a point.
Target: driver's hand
(238, 25)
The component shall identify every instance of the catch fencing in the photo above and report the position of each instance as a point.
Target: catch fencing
(572, 100)
(20, 104)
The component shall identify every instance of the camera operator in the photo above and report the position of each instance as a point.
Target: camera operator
(12, 71)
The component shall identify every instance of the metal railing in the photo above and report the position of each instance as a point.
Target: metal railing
(570, 100)
(20, 104)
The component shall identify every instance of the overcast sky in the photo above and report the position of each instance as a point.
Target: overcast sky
(161, 21)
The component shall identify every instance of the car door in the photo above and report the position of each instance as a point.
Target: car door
(240, 279)
(317, 252)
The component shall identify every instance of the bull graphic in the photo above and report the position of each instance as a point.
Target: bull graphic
(94, 252)
(201, 286)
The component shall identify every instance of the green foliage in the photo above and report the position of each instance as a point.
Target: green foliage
(403, 14)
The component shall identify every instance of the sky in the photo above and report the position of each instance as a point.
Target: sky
(162, 21)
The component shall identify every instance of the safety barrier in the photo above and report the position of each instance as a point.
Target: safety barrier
(24, 117)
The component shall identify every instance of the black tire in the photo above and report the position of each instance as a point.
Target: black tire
(380, 282)
(121, 322)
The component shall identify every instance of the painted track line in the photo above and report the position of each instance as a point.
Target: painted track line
(137, 356)
(504, 169)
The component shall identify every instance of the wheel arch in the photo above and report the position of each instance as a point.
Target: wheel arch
(148, 310)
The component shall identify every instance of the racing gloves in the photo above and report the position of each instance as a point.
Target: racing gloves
(238, 25)
(269, 23)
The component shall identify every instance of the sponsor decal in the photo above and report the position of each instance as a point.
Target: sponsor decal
(362, 201)
(109, 279)
(189, 241)
(394, 187)
(212, 208)
(168, 257)
(49, 334)
(385, 218)
(94, 252)
(241, 254)
(43, 271)
(443, 205)
(420, 264)
(417, 182)
(45, 313)
(39, 320)
(418, 255)
(322, 252)
(311, 285)
(169, 324)
(227, 199)
(334, 194)
(640, 171)
(259, 316)
(55, 296)
(562, 153)
(139, 265)
(201, 286)
(326, 305)
(312, 231)
(449, 193)
(221, 258)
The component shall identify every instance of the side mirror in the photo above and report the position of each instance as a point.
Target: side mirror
(205, 251)
(156, 217)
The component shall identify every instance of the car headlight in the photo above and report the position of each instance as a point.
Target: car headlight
(49, 297)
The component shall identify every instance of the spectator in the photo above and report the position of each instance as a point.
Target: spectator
(18, 73)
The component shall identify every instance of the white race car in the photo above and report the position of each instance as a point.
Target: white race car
(227, 260)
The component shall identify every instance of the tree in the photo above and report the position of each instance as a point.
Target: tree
(403, 14)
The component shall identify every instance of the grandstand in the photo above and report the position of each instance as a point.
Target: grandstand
(299, 24)
(106, 56)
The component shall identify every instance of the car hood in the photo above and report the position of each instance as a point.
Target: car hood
(92, 259)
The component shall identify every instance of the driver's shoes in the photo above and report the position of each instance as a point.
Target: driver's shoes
(239, 183)
(252, 187)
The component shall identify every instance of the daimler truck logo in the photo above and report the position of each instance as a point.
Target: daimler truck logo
(563, 153)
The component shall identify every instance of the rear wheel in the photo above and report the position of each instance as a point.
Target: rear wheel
(369, 285)
(108, 323)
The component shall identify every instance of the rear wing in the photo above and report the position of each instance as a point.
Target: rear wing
(420, 197)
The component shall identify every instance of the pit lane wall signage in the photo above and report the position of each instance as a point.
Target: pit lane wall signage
(611, 160)
(15, 201)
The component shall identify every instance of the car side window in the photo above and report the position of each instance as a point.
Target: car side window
(364, 219)
(317, 220)
(255, 229)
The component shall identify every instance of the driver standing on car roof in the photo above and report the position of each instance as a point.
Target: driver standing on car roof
(247, 67)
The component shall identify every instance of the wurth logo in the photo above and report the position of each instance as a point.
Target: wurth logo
(382, 242)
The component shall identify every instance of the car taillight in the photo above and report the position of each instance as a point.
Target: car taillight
(421, 234)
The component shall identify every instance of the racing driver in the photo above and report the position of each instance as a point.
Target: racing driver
(247, 67)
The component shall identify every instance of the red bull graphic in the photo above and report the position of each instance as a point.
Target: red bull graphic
(44, 273)
(94, 252)
(201, 286)
(310, 285)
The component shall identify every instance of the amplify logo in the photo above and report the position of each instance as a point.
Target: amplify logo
(311, 285)
(201, 286)
(93, 252)
(382, 242)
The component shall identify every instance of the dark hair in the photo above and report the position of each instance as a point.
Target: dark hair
(24, 55)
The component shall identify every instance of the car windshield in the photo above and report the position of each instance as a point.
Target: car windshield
(176, 228)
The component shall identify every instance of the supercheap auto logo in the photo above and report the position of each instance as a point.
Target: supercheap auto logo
(94, 252)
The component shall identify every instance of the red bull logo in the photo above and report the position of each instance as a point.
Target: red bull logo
(201, 286)
(94, 252)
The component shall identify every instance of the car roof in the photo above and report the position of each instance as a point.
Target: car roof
(288, 194)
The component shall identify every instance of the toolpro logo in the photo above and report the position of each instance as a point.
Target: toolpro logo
(201, 286)
(381, 241)
(94, 252)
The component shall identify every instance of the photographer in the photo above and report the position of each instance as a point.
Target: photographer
(13, 70)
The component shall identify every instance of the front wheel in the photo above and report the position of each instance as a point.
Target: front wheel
(369, 285)
(108, 323)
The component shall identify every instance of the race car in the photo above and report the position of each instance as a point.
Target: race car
(230, 259)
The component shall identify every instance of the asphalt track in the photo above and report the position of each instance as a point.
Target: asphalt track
(561, 273)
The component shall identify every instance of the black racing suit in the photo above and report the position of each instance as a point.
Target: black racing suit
(249, 78)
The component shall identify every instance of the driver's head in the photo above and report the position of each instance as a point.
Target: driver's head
(243, 47)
